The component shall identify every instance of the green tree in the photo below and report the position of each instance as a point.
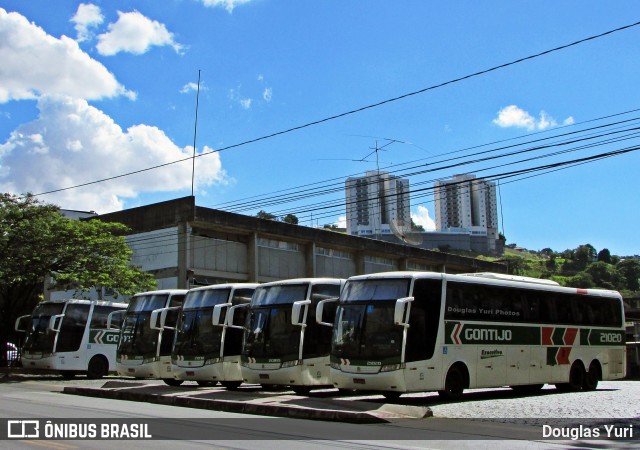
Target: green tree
(415, 226)
(605, 276)
(580, 280)
(604, 256)
(516, 265)
(584, 255)
(290, 218)
(550, 263)
(630, 268)
(265, 215)
(38, 245)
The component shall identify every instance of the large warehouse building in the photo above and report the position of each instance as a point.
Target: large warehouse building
(185, 245)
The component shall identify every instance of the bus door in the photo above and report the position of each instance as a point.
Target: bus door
(70, 327)
(422, 363)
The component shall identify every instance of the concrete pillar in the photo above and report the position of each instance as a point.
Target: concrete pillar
(183, 255)
(310, 259)
(359, 260)
(252, 258)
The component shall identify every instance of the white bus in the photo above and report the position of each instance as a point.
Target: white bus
(420, 331)
(71, 337)
(144, 349)
(283, 344)
(205, 349)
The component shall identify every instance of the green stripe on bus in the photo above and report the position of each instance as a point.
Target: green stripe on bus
(458, 333)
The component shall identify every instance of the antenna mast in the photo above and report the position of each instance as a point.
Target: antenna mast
(195, 132)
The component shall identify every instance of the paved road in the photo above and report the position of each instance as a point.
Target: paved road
(481, 415)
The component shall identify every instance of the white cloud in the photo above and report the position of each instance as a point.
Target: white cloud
(87, 16)
(34, 63)
(513, 116)
(267, 94)
(72, 142)
(421, 217)
(134, 33)
(245, 103)
(229, 5)
(569, 121)
(192, 87)
(342, 222)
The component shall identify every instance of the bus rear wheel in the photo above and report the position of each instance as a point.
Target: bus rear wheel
(98, 367)
(172, 381)
(592, 377)
(453, 385)
(577, 375)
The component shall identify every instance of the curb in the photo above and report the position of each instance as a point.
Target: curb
(244, 407)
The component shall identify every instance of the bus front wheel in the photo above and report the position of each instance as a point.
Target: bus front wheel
(172, 381)
(98, 367)
(231, 385)
(453, 385)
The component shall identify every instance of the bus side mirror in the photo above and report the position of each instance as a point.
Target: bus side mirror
(156, 324)
(21, 323)
(117, 317)
(320, 310)
(300, 308)
(232, 312)
(217, 314)
(402, 311)
(55, 322)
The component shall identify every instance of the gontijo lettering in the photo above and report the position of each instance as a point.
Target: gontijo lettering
(486, 334)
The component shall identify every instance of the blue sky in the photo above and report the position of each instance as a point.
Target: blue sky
(95, 90)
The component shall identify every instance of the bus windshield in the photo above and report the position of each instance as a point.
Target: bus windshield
(279, 294)
(271, 334)
(206, 298)
(137, 337)
(196, 335)
(148, 302)
(364, 327)
(39, 337)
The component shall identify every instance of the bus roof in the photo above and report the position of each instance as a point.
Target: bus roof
(225, 286)
(505, 277)
(163, 291)
(497, 279)
(83, 301)
(305, 280)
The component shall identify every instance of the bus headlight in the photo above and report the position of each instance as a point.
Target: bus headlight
(391, 367)
(335, 365)
(295, 362)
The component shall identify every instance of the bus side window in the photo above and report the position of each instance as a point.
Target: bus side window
(177, 300)
(563, 309)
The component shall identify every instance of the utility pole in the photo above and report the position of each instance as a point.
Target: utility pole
(195, 131)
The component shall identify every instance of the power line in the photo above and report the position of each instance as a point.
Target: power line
(355, 111)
